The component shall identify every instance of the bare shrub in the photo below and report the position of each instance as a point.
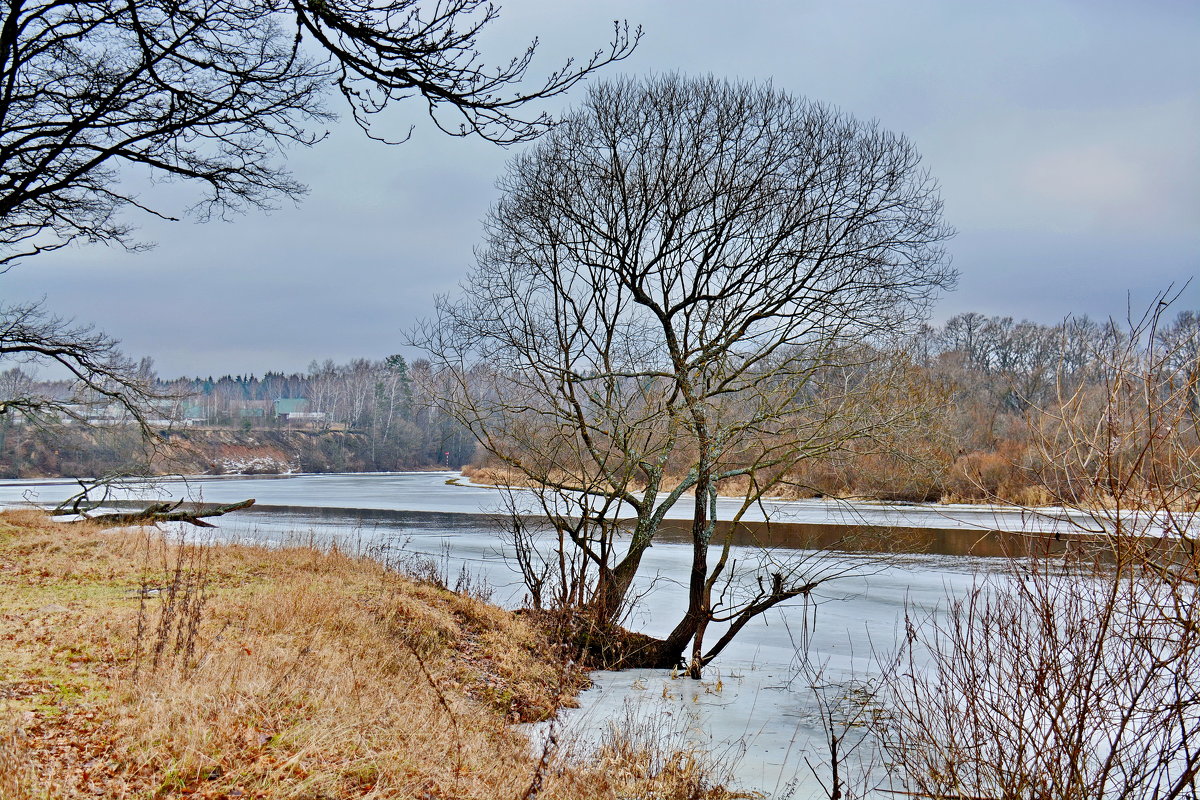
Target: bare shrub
(1062, 681)
(643, 757)
(1077, 676)
(179, 585)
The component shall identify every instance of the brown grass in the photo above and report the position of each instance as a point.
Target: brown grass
(816, 479)
(306, 674)
(981, 476)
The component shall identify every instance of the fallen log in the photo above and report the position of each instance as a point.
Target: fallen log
(164, 512)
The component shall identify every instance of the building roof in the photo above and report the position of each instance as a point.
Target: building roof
(291, 405)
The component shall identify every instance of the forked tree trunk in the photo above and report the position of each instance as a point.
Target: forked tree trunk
(691, 627)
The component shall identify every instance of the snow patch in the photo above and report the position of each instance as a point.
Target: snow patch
(256, 465)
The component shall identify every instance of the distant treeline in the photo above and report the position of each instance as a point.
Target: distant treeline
(996, 389)
(1005, 384)
(387, 403)
(997, 377)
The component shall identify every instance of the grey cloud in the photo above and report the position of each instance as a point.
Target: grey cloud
(1063, 135)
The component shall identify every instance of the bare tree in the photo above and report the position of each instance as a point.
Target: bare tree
(210, 92)
(1078, 676)
(675, 298)
(100, 375)
(392, 51)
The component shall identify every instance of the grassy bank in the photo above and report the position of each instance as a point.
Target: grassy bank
(133, 666)
(976, 480)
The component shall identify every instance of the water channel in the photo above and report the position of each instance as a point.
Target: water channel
(755, 708)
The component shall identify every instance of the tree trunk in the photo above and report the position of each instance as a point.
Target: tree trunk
(614, 583)
(164, 512)
(691, 626)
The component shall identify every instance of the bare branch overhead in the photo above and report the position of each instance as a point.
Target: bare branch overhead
(95, 94)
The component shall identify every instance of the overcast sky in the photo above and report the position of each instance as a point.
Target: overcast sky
(1064, 134)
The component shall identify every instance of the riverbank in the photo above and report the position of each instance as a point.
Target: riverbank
(887, 486)
(72, 450)
(134, 666)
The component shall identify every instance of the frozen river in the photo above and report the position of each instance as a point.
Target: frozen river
(755, 706)
(430, 492)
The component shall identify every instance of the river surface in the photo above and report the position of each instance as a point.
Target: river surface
(427, 492)
(755, 708)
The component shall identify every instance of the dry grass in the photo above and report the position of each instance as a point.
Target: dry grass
(498, 476)
(289, 673)
(807, 481)
(989, 477)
